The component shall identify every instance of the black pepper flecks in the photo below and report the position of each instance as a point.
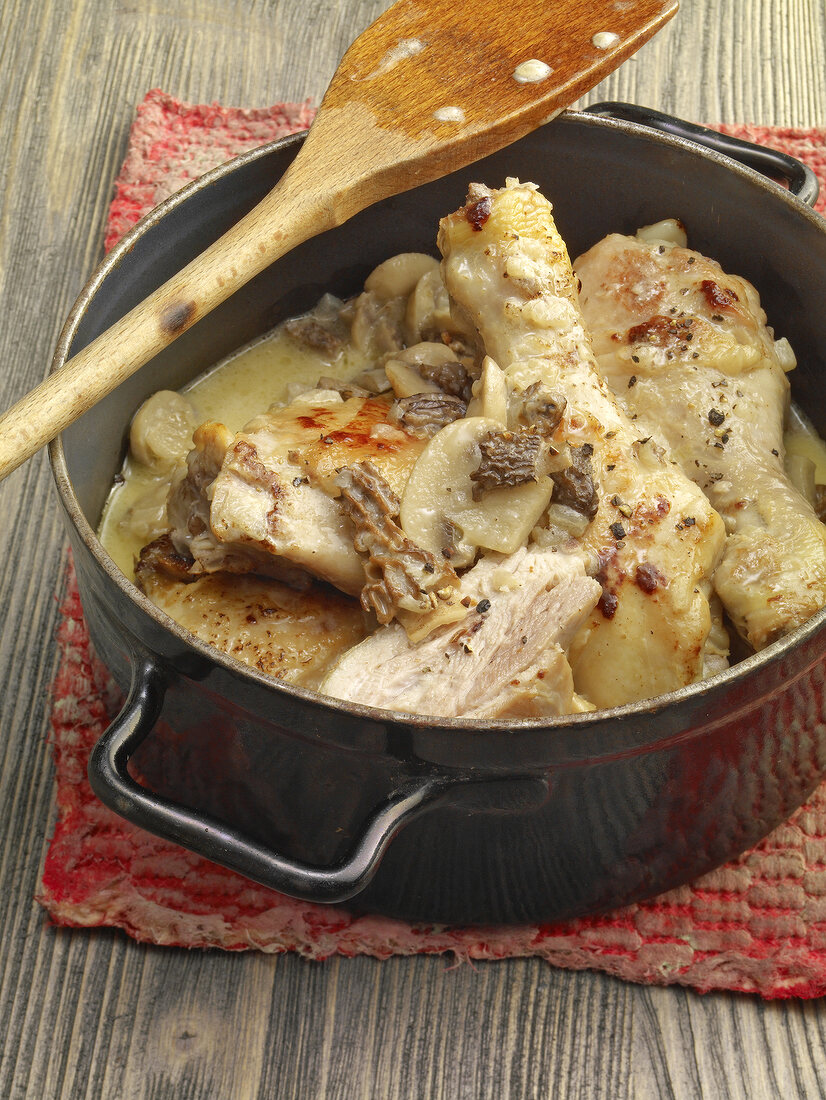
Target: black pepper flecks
(483, 606)
(716, 417)
(617, 530)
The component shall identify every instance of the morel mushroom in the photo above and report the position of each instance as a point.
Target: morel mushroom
(400, 576)
(541, 407)
(507, 458)
(423, 414)
(574, 486)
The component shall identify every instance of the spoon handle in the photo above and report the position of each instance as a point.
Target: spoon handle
(430, 86)
(286, 217)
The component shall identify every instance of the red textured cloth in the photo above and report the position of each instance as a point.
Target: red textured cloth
(757, 924)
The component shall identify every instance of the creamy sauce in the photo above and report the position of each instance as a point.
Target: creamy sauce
(531, 72)
(232, 392)
(801, 439)
(605, 40)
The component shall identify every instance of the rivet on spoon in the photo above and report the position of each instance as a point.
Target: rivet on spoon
(605, 40)
(529, 72)
(449, 114)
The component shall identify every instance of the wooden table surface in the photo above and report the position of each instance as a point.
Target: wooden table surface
(92, 1014)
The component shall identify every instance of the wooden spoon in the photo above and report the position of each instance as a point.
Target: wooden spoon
(429, 87)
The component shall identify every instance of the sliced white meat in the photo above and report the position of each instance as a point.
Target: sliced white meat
(505, 657)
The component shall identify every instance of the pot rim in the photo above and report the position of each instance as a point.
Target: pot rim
(581, 723)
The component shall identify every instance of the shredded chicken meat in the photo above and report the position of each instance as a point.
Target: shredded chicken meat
(505, 657)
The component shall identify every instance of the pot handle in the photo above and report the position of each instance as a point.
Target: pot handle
(801, 180)
(112, 783)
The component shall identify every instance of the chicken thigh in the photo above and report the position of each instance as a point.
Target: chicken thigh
(292, 635)
(264, 500)
(686, 349)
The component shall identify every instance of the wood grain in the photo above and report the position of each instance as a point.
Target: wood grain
(94, 1015)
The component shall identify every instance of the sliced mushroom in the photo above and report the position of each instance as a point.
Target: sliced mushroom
(428, 308)
(438, 510)
(376, 327)
(161, 432)
(374, 380)
(404, 369)
(146, 518)
(490, 394)
(398, 276)
(406, 380)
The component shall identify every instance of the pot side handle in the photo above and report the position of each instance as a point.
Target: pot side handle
(801, 180)
(114, 786)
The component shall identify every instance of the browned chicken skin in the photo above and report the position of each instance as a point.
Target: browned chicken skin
(686, 349)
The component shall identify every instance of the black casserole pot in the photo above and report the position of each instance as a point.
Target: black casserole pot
(422, 818)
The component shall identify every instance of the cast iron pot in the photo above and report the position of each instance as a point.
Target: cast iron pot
(421, 818)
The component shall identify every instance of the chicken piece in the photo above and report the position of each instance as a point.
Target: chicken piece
(545, 690)
(505, 658)
(187, 511)
(654, 540)
(293, 636)
(686, 349)
(267, 494)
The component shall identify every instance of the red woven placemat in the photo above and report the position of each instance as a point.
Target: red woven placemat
(757, 924)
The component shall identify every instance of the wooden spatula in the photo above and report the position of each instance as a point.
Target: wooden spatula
(429, 87)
